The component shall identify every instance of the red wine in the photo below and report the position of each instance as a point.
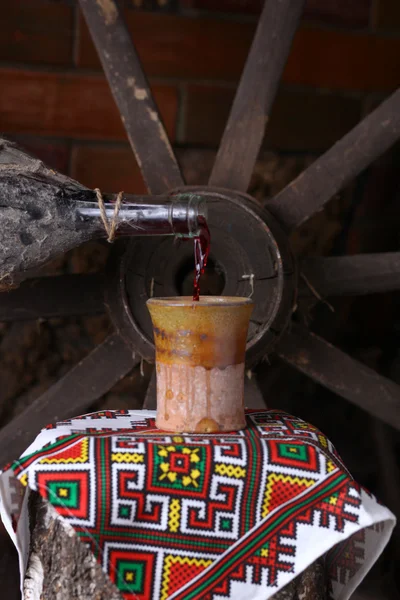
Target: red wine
(201, 252)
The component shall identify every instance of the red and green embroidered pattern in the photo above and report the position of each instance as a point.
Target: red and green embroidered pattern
(198, 516)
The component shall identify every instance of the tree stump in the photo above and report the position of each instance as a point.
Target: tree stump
(61, 567)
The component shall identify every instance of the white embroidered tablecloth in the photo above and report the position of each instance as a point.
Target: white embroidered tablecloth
(204, 517)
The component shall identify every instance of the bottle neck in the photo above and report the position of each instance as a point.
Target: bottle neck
(181, 215)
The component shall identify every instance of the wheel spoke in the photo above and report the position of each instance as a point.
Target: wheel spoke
(251, 108)
(351, 275)
(341, 374)
(309, 193)
(48, 297)
(132, 94)
(71, 395)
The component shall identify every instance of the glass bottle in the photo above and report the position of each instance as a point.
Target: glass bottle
(181, 215)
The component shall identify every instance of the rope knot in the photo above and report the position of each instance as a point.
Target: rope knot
(109, 226)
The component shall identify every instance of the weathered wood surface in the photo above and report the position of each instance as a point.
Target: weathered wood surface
(133, 96)
(341, 374)
(61, 567)
(251, 108)
(70, 396)
(35, 225)
(309, 192)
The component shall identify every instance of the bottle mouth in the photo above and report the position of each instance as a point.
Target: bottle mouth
(188, 214)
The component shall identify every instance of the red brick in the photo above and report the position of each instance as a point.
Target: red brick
(205, 48)
(181, 46)
(325, 58)
(54, 153)
(299, 120)
(111, 168)
(36, 31)
(69, 105)
(387, 15)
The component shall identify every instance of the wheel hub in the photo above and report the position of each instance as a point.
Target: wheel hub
(249, 256)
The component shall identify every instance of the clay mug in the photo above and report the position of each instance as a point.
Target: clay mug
(200, 361)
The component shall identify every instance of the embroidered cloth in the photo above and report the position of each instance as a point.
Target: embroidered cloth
(201, 517)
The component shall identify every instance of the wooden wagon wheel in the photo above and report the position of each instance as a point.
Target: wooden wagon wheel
(250, 249)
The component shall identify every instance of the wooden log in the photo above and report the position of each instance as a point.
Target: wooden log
(60, 566)
(35, 222)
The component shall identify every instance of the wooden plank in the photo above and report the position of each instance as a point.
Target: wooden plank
(351, 275)
(70, 396)
(58, 296)
(251, 108)
(309, 192)
(131, 91)
(341, 374)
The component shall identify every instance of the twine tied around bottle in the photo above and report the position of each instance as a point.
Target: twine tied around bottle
(109, 225)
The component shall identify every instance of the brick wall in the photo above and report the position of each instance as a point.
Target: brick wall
(55, 100)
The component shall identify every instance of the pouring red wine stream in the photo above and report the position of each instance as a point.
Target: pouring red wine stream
(201, 252)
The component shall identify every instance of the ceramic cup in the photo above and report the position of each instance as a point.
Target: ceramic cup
(200, 354)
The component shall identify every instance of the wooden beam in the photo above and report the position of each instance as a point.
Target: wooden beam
(70, 396)
(251, 108)
(341, 374)
(351, 275)
(311, 190)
